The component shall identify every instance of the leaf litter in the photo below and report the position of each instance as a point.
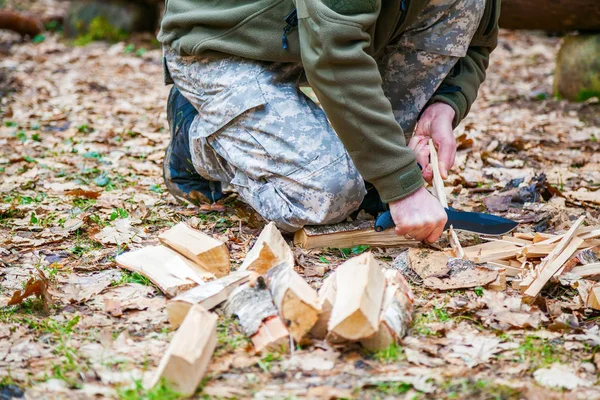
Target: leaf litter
(81, 182)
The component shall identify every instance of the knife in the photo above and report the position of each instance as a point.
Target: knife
(485, 224)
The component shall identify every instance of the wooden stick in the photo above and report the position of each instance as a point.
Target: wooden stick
(169, 271)
(296, 301)
(348, 234)
(360, 285)
(438, 182)
(396, 312)
(189, 353)
(209, 253)
(586, 271)
(549, 269)
(208, 296)
(564, 242)
(455, 244)
(269, 250)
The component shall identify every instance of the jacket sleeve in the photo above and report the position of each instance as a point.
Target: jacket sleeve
(459, 89)
(347, 82)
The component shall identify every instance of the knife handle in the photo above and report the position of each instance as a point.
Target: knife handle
(384, 221)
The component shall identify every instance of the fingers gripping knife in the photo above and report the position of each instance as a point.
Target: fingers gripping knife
(485, 224)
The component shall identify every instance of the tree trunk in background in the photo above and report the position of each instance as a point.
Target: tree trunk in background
(577, 75)
(23, 25)
(551, 15)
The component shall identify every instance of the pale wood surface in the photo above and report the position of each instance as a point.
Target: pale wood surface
(297, 302)
(269, 250)
(326, 294)
(189, 352)
(211, 254)
(585, 271)
(438, 182)
(252, 305)
(360, 285)
(208, 296)
(168, 270)
(271, 335)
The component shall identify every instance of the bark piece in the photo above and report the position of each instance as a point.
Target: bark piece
(189, 353)
(169, 271)
(348, 234)
(208, 296)
(396, 312)
(269, 250)
(327, 294)
(296, 301)
(209, 253)
(360, 286)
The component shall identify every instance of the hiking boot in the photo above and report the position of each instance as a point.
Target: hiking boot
(181, 178)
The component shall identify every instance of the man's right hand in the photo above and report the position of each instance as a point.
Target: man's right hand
(419, 216)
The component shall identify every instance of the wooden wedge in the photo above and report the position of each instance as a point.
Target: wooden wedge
(360, 285)
(209, 253)
(396, 312)
(269, 250)
(208, 296)
(169, 271)
(297, 302)
(189, 352)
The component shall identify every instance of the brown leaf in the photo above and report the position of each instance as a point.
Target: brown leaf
(88, 194)
(34, 286)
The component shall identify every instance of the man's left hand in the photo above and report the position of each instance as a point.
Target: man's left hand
(435, 123)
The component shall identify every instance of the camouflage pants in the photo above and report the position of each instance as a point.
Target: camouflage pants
(257, 132)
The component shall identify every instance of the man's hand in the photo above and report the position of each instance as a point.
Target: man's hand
(419, 216)
(435, 123)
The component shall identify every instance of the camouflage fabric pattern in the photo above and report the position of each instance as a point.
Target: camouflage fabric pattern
(257, 132)
(414, 67)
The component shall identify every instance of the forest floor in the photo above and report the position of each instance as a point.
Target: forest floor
(82, 137)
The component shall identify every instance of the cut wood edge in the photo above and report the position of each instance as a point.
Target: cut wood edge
(326, 294)
(360, 286)
(168, 270)
(189, 352)
(206, 251)
(269, 250)
(271, 335)
(296, 301)
(208, 296)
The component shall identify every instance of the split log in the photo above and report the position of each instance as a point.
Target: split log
(211, 254)
(255, 310)
(348, 234)
(396, 312)
(360, 286)
(551, 16)
(208, 296)
(269, 250)
(189, 353)
(169, 271)
(296, 301)
(327, 294)
(21, 24)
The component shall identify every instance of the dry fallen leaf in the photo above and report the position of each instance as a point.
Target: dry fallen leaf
(35, 286)
(560, 377)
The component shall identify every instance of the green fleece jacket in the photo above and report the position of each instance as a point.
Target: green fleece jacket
(337, 42)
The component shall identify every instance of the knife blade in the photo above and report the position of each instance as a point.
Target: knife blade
(485, 224)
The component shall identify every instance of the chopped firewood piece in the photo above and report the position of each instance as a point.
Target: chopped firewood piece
(189, 352)
(499, 284)
(208, 296)
(593, 300)
(585, 232)
(455, 244)
(508, 269)
(209, 253)
(438, 182)
(297, 302)
(269, 250)
(169, 271)
(396, 312)
(491, 251)
(271, 335)
(348, 234)
(509, 251)
(540, 237)
(547, 270)
(326, 294)
(360, 285)
(542, 250)
(254, 307)
(587, 271)
(516, 240)
(524, 236)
